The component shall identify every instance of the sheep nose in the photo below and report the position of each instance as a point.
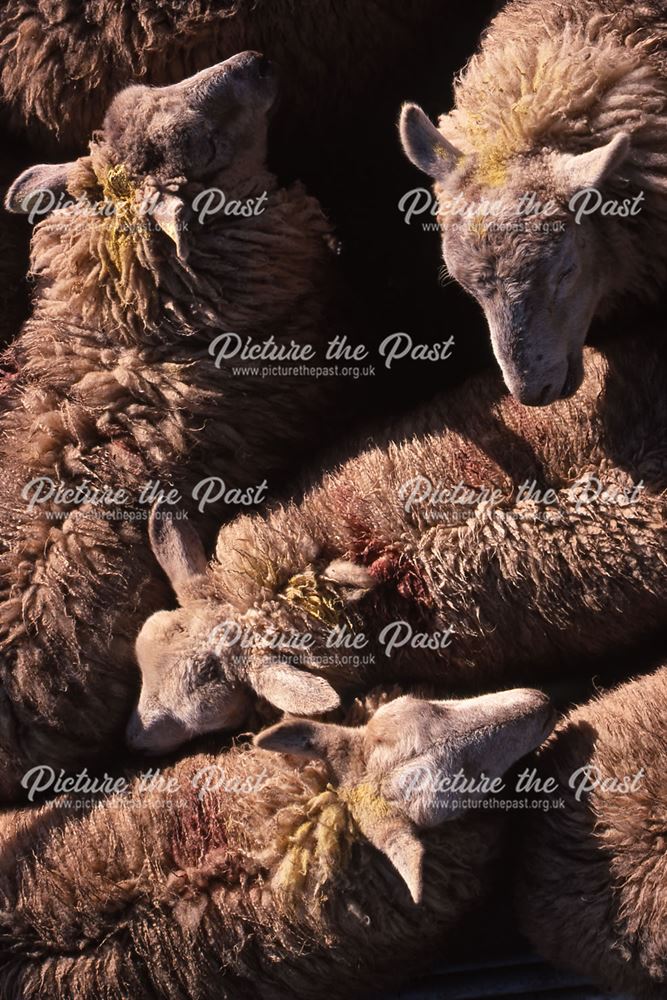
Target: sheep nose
(252, 62)
(134, 732)
(265, 67)
(530, 395)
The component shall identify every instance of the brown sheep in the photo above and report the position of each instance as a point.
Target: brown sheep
(61, 62)
(242, 880)
(551, 176)
(380, 574)
(591, 876)
(117, 388)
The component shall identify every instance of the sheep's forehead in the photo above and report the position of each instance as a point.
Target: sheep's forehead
(404, 727)
(156, 106)
(524, 188)
(507, 243)
(172, 636)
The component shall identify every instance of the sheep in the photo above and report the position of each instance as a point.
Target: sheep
(555, 555)
(590, 876)
(60, 64)
(118, 393)
(552, 180)
(241, 878)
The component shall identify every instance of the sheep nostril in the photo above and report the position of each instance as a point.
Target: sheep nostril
(264, 67)
(571, 382)
(544, 395)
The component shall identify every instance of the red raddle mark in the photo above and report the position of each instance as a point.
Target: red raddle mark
(199, 831)
(383, 557)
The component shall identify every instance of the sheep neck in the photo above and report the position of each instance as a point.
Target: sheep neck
(120, 280)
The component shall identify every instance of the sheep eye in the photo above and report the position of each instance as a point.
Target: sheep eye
(207, 670)
(484, 281)
(566, 273)
(212, 150)
(153, 158)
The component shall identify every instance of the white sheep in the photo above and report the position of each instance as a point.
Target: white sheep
(118, 392)
(473, 543)
(551, 177)
(244, 878)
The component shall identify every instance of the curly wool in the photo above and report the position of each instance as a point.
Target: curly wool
(591, 876)
(527, 586)
(568, 77)
(141, 899)
(582, 73)
(61, 62)
(116, 387)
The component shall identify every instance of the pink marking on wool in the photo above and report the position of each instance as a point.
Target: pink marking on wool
(199, 832)
(383, 558)
(361, 545)
(392, 567)
(476, 468)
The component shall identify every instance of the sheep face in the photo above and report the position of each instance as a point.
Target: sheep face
(187, 688)
(394, 772)
(537, 272)
(198, 127)
(155, 141)
(539, 296)
(410, 741)
(193, 682)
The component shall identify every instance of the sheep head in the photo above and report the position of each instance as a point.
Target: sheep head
(208, 129)
(390, 773)
(512, 238)
(194, 680)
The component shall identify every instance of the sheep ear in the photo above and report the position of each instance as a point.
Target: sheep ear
(177, 548)
(304, 738)
(38, 189)
(386, 829)
(424, 145)
(590, 170)
(482, 736)
(397, 839)
(353, 581)
(169, 214)
(292, 690)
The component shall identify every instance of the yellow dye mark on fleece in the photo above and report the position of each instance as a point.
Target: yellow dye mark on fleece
(493, 154)
(365, 803)
(477, 226)
(123, 227)
(492, 157)
(318, 845)
(317, 598)
(327, 827)
(492, 166)
(257, 568)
